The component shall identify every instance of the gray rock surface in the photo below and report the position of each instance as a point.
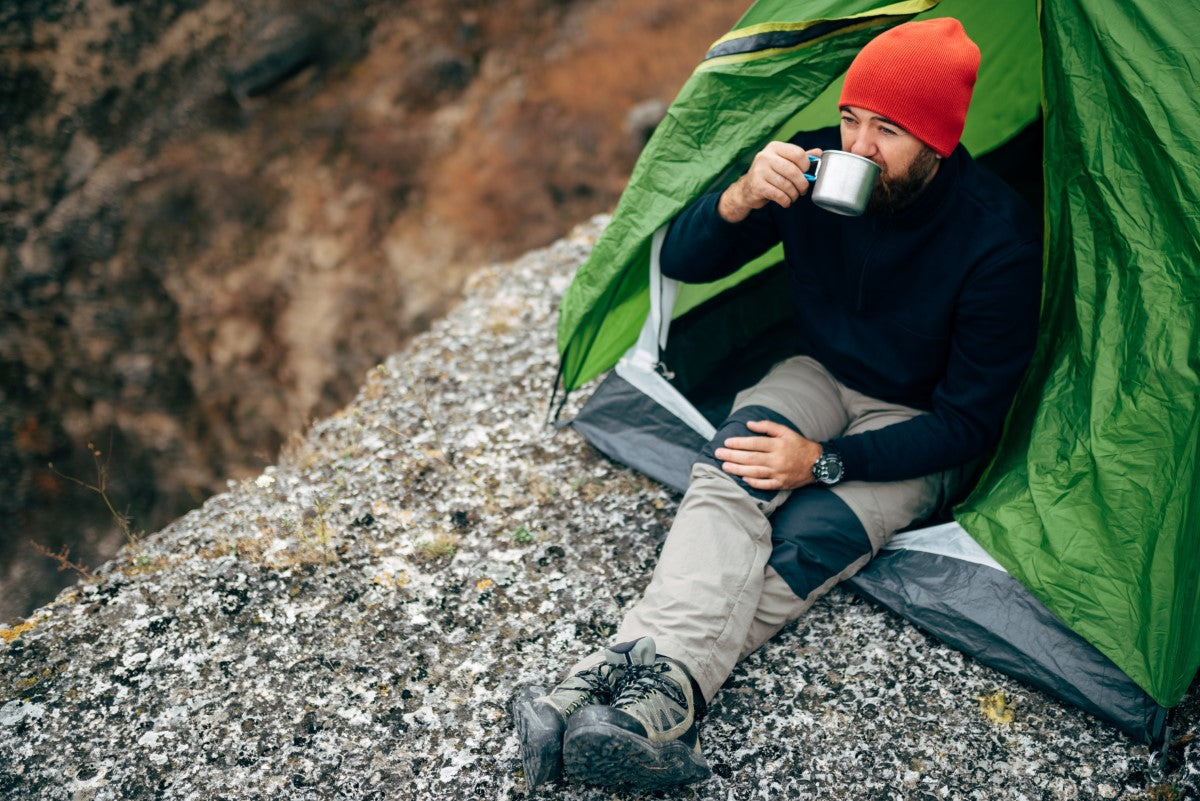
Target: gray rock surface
(352, 623)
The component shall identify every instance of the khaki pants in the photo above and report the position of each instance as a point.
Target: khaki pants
(713, 599)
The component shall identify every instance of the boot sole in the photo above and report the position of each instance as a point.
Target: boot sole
(540, 733)
(601, 753)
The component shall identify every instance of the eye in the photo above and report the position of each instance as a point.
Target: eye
(886, 131)
(849, 121)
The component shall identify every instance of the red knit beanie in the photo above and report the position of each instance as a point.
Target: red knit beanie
(920, 76)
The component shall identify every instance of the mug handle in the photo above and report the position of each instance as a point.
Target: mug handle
(816, 172)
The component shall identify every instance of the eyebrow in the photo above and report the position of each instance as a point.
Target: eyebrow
(878, 117)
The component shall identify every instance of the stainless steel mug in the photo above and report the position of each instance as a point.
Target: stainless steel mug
(843, 182)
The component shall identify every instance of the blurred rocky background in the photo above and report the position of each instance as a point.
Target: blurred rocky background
(215, 217)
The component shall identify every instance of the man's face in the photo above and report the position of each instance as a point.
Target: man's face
(906, 163)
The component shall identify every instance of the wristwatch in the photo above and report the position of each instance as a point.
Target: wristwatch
(828, 468)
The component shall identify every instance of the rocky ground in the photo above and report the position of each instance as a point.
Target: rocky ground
(352, 623)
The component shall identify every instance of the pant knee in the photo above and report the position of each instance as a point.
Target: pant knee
(735, 426)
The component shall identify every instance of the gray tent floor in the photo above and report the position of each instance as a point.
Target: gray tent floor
(352, 623)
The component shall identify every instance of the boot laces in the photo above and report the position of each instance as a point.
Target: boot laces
(598, 682)
(599, 688)
(640, 681)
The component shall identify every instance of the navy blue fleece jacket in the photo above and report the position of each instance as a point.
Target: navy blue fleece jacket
(935, 307)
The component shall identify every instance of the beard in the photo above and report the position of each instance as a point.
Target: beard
(893, 194)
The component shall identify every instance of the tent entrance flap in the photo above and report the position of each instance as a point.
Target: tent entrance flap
(641, 366)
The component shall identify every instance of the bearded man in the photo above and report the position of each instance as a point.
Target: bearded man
(914, 322)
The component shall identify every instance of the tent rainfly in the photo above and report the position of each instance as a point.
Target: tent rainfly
(1073, 564)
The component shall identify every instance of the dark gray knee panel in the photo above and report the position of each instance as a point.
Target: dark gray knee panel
(735, 426)
(814, 536)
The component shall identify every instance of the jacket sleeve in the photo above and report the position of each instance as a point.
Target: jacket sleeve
(993, 340)
(701, 246)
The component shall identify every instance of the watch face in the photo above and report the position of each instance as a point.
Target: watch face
(828, 469)
(835, 468)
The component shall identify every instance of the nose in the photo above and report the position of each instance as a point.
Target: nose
(864, 144)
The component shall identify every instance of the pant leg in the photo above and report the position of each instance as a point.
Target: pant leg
(830, 550)
(778, 605)
(814, 548)
(706, 587)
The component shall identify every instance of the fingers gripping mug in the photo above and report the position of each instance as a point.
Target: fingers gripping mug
(843, 182)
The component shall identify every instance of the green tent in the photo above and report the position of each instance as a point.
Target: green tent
(1092, 502)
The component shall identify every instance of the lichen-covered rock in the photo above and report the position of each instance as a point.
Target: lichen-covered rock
(352, 623)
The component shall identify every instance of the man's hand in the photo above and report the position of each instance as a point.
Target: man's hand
(780, 459)
(776, 174)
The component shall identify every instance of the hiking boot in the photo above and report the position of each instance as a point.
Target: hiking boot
(648, 736)
(541, 718)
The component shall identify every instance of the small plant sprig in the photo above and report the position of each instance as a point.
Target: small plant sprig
(319, 543)
(122, 519)
(422, 402)
(63, 558)
(444, 545)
